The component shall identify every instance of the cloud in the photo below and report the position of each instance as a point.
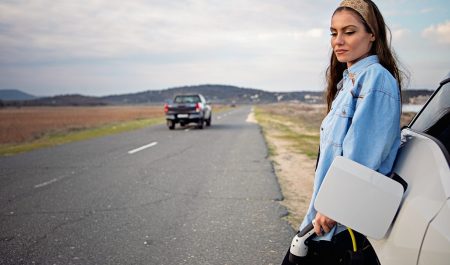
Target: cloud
(439, 33)
(103, 29)
(156, 31)
(400, 34)
(239, 41)
(105, 45)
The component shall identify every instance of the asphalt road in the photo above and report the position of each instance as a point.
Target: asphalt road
(151, 196)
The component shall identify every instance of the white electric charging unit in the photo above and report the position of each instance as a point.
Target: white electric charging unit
(298, 247)
(359, 197)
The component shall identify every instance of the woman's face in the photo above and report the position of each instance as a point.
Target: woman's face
(349, 39)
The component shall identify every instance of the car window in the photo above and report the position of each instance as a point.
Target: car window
(187, 99)
(434, 119)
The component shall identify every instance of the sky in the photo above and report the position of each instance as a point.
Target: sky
(105, 47)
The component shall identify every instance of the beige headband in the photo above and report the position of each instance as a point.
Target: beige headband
(360, 6)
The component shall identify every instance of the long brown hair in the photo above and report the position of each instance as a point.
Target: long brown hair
(381, 47)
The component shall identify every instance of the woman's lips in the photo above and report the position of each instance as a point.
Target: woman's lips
(340, 51)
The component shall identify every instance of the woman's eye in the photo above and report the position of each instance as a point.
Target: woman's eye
(333, 34)
(349, 32)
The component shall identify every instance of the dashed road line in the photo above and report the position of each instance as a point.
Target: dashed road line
(142, 148)
(45, 183)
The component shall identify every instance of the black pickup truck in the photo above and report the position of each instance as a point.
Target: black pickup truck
(187, 109)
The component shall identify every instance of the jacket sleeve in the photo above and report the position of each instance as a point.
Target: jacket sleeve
(375, 125)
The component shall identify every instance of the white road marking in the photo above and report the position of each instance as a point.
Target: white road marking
(45, 183)
(142, 148)
(251, 117)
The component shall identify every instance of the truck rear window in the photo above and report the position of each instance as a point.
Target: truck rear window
(187, 99)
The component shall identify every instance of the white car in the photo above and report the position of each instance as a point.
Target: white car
(417, 230)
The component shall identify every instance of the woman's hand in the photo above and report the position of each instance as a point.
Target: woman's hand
(323, 224)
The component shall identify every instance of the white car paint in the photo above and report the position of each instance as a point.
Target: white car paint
(423, 166)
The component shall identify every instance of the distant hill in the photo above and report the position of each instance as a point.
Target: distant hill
(66, 100)
(214, 93)
(14, 94)
(416, 96)
(228, 94)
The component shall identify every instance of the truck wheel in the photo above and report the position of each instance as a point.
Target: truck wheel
(171, 124)
(200, 124)
(208, 121)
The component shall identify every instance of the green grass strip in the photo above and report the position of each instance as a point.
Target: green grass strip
(306, 143)
(78, 135)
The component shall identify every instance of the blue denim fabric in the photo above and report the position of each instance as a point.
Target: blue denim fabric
(362, 125)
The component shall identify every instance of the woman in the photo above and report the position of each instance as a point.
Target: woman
(363, 119)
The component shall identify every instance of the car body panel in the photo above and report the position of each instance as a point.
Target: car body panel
(421, 232)
(423, 199)
(436, 245)
(363, 190)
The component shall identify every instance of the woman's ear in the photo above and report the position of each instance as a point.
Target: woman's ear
(372, 37)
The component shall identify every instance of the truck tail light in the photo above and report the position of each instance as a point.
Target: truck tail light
(166, 108)
(198, 107)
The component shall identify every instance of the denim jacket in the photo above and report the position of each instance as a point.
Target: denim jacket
(362, 125)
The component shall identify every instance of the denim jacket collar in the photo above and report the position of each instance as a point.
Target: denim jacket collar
(359, 66)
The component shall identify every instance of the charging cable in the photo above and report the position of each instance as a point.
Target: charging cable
(352, 235)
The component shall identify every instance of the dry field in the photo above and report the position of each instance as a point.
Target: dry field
(18, 125)
(292, 133)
